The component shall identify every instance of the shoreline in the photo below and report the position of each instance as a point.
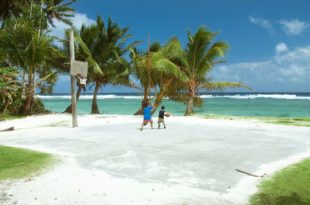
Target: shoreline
(286, 121)
(127, 172)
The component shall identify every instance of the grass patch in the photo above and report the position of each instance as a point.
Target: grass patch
(304, 122)
(4, 117)
(18, 163)
(290, 186)
(291, 121)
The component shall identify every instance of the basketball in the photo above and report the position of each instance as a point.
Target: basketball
(167, 114)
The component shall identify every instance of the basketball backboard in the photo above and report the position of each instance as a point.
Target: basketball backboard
(79, 67)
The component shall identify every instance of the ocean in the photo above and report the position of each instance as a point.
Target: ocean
(286, 105)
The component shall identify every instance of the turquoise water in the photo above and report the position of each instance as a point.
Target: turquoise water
(262, 105)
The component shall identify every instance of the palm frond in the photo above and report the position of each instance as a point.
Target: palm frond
(223, 85)
(197, 47)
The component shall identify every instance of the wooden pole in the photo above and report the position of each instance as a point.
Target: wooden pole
(73, 97)
(149, 63)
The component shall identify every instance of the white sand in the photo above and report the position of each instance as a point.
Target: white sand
(108, 160)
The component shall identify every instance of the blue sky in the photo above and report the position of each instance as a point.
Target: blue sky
(269, 40)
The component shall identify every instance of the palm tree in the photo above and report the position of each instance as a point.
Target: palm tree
(196, 61)
(155, 70)
(59, 10)
(9, 8)
(53, 9)
(104, 46)
(29, 50)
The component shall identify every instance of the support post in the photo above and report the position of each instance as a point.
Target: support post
(73, 83)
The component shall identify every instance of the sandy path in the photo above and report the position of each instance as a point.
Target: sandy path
(108, 160)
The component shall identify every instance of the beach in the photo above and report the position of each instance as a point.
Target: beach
(108, 160)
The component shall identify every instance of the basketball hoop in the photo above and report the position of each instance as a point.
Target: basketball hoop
(82, 80)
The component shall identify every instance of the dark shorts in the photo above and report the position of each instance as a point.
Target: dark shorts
(161, 120)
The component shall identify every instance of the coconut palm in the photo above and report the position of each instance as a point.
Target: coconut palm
(52, 9)
(59, 10)
(9, 8)
(104, 46)
(29, 50)
(196, 61)
(155, 70)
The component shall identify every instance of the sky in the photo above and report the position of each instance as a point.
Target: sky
(269, 40)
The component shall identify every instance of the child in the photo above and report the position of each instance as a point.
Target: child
(161, 116)
(147, 115)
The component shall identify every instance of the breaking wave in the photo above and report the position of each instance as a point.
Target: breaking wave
(138, 97)
(257, 96)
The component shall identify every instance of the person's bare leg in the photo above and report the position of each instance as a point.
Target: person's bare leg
(151, 125)
(164, 125)
(158, 125)
(142, 126)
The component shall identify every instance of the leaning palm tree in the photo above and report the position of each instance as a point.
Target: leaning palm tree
(104, 46)
(196, 61)
(155, 71)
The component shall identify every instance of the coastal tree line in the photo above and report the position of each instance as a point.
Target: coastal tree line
(31, 61)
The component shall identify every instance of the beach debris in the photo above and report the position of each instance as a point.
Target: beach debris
(250, 174)
(7, 129)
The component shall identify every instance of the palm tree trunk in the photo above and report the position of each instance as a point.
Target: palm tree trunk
(5, 108)
(139, 112)
(94, 107)
(145, 98)
(29, 95)
(158, 100)
(190, 104)
(160, 96)
(78, 94)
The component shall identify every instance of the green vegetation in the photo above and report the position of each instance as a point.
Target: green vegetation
(289, 186)
(28, 52)
(18, 163)
(10, 89)
(103, 45)
(156, 70)
(196, 60)
(304, 122)
(9, 117)
(290, 121)
(186, 67)
(32, 59)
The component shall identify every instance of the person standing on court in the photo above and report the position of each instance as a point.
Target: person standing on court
(161, 117)
(147, 115)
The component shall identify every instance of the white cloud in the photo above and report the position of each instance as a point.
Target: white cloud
(261, 22)
(78, 20)
(294, 26)
(281, 48)
(289, 71)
